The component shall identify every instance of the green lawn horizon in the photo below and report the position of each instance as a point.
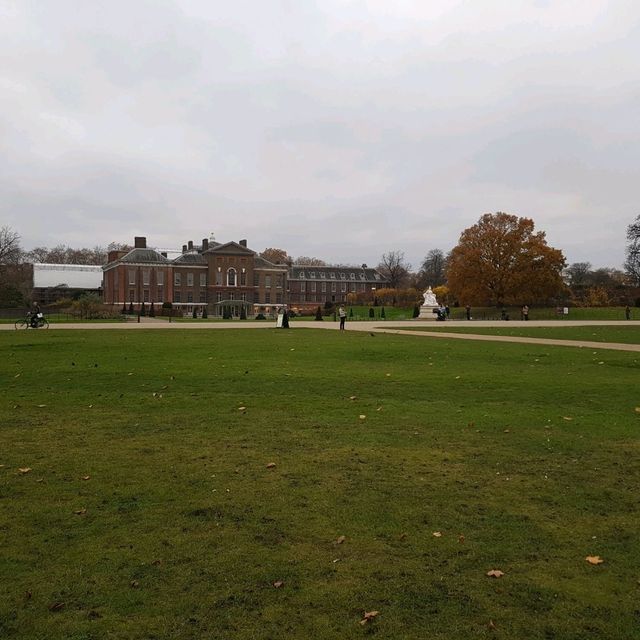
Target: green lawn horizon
(280, 484)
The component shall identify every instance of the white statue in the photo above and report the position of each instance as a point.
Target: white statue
(429, 298)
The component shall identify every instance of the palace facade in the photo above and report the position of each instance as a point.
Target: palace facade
(227, 276)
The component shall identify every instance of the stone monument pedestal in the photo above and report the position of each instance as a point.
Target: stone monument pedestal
(428, 312)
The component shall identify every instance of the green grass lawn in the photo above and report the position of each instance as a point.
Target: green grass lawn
(624, 334)
(149, 510)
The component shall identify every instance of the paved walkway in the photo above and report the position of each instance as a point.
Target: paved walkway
(406, 327)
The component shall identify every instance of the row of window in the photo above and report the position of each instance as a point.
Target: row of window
(231, 278)
(312, 287)
(332, 275)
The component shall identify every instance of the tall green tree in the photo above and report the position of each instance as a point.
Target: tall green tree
(502, 260)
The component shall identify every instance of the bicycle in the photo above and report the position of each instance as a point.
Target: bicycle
(40, 322)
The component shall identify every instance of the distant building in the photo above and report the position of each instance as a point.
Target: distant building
(217, 276)
(310, 286)
(52, 282)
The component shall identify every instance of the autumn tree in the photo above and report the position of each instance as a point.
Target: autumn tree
(501, 260)
(632, 261)
(276, 256)
(578, 273)
(394, 269)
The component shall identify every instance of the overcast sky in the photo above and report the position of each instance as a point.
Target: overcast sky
(340, 129)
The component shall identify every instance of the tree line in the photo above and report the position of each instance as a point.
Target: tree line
(500, 260)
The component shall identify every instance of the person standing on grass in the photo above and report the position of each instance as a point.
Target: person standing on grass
(525, 312)
(343, 316)
(627, 312)
(468, 309)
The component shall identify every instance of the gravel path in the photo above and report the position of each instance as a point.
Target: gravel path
(406, 327)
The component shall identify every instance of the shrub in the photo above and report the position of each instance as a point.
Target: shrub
(243, 314)
(124, 309)
(142, 309)
(382, 314)
(131, 311)
(350, 312)
(372, 313)
(205, 313)
(260, 316)
(194, 313)
(416, 311)
(318, 313)
(152, 310)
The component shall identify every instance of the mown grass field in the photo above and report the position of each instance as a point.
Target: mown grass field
(149, 510)
(625, 334)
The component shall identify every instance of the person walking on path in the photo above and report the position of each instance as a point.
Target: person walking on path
(525, 312)
(343, 316)
(468, 309)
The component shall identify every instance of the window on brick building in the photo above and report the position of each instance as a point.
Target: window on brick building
(132, 295)
(353, 287)
(145, 295)
(333, 275)
(132, 276)
(352, 276)
(343, 287)
(324, 287)
(219, 297)
(256, 279)
(343, 276)
(176, 296)
(189, 296)
(280, 280)
(313, 287)
(278, 298)
(231, 277)
(177, 279)
(203, 296)
(219, 277)
(203, 279)
(146, 274)
(243, 277)
(189, 279)
(267, 297)
(160, 278)
(267, 282)
(303, 287)
(333, 286)
(362, 276)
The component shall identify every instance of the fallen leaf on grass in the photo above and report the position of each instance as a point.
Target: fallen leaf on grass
(461, 538)
(362, 416)
(495, 573)
(341, 539)
(86, 477)
(17, 375)
(594, 559)
(134, 584)
(278, 583)
(56, 606)
(437, 534)
(80, 512)
(637, 409)
(24, 469)
(271, 465)
(491, 625)
(368, 615)
(156, 563)
(567, 418)
(41, 406)
(353, 397)
(242, 408)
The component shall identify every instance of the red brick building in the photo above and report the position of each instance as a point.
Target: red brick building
(310, 287)
(213, 275)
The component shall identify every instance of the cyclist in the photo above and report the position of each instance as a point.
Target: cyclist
(35, 314)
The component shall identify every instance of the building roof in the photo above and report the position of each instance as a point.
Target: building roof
(231, 247)
(261, 263)
(140, 256)
(336, 272)
(191, 257)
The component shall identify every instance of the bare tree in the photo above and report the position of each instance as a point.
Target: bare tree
(579, 273)
(433, 268)
(10, 251)
(394, 268)
(632, 261)
(312, 262)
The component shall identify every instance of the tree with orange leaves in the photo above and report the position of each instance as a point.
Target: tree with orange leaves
(501, 260)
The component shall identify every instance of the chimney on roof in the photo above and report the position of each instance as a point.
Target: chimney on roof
(243, 243)
(364, 266)
(184, 248)
(190, 245)
(205, 244)
(140, 242)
